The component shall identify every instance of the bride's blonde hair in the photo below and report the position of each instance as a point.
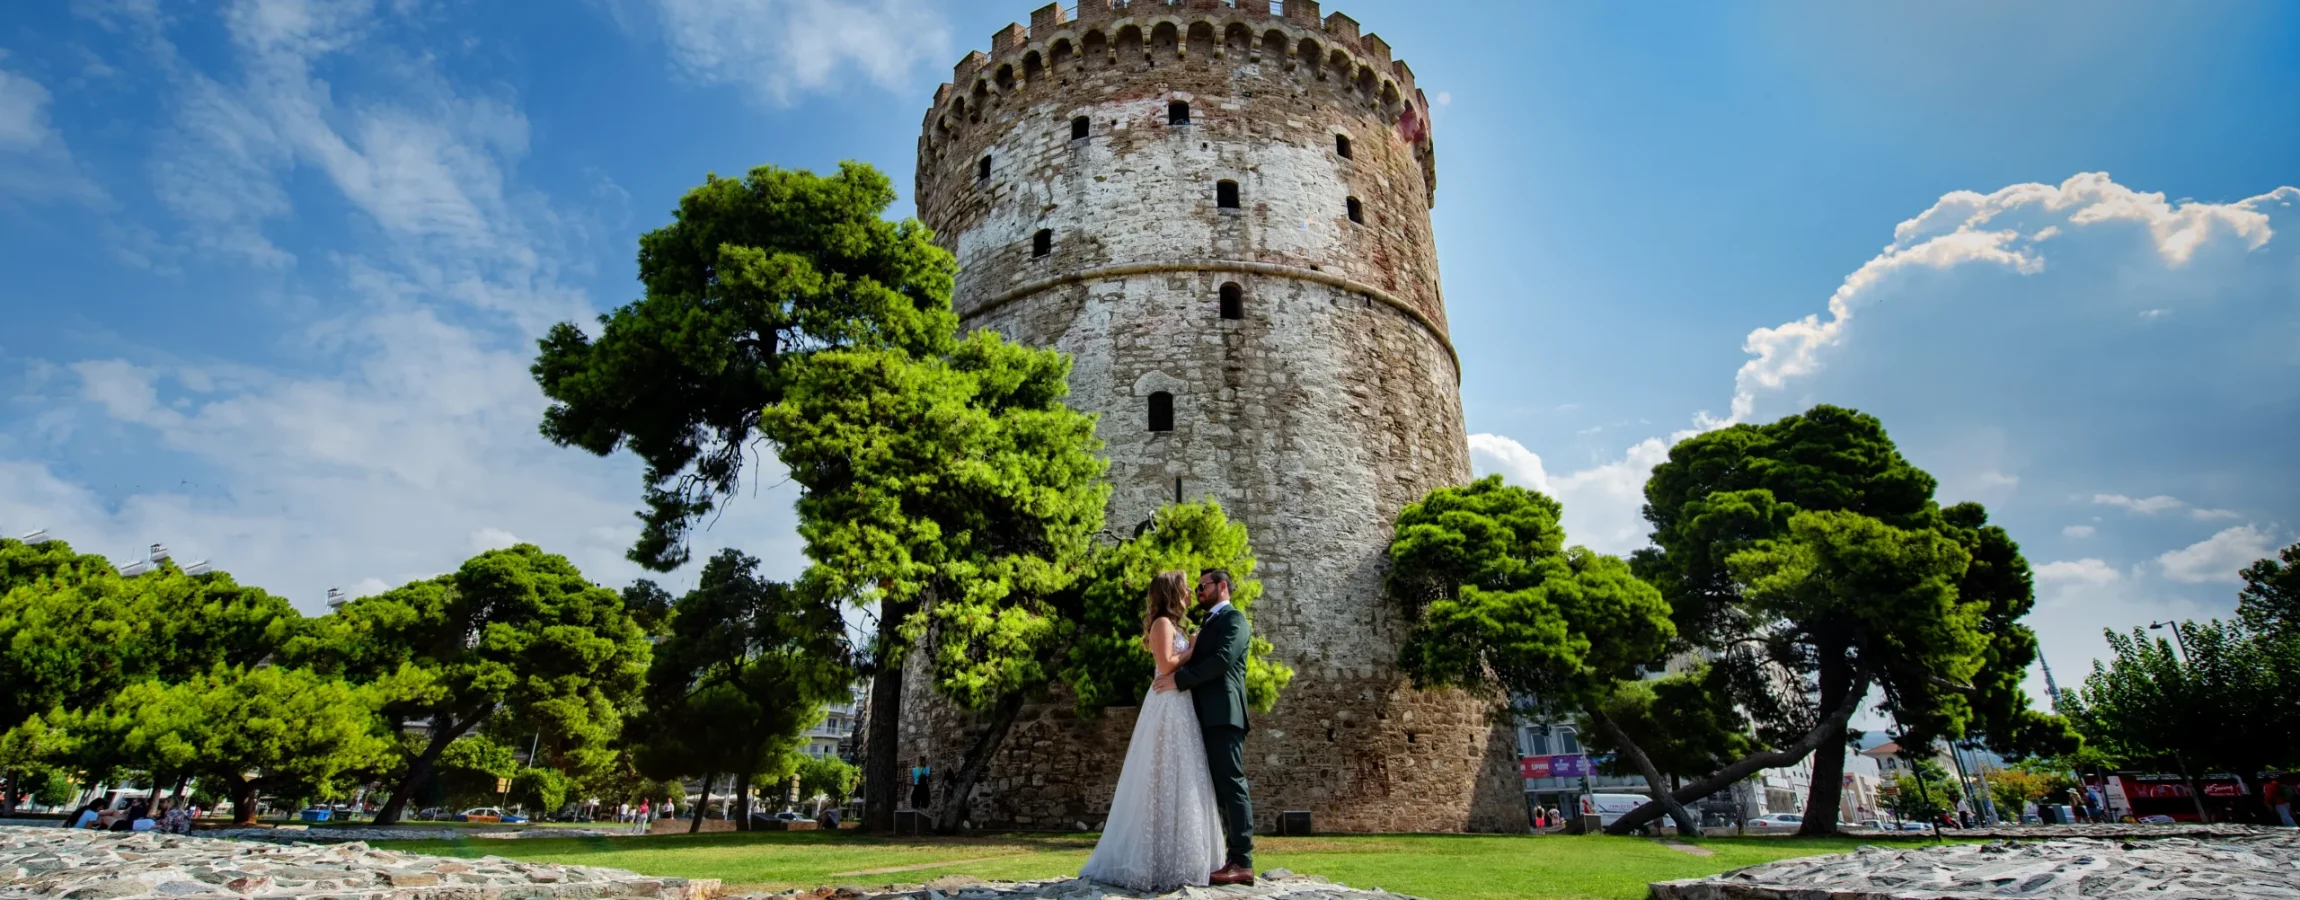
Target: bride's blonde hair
(1169, 599)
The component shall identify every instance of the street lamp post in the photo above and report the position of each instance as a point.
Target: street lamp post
(2195, 794)
(2177, 637)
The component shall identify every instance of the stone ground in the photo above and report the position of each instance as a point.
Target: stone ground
(2213, 863)
(1274, 884)
(293, 835)
(89, 865)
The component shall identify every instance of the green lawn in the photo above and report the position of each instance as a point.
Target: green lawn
(1439, 867)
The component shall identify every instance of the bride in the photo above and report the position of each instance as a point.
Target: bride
(1164, 830)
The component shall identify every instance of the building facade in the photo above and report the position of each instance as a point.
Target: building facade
(834, 735)
(1221, 211)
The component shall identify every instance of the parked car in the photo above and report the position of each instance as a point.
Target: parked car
(514, 820)
(480, 814)
(1778, 823)
(2156, 820)
(1912, 826)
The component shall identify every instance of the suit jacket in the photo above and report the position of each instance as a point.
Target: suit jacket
(1215, 676)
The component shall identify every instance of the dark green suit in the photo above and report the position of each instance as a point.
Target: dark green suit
(1215, 676)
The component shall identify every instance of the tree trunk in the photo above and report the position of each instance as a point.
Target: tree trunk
(8, 799)
(419, 768)
(1828, 789)
(1750, 765)
(1686, 826)
(882, 791)
(2195, 795)
(243, 802)
(952, 812)
(696, 825)
(743, 800)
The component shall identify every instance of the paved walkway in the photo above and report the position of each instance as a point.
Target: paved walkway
(2234, 864)
(90, 865)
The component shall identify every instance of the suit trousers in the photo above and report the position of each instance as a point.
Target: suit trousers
(1226, 761)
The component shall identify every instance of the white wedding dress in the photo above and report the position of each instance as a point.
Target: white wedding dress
(1164, 830)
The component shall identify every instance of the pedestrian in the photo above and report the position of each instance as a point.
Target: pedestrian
(2076, 806)
(2279, 798)
(2092, 803)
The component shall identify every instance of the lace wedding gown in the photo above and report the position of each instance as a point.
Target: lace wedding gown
(1164, 830)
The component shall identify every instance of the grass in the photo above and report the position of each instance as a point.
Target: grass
(1439, 867)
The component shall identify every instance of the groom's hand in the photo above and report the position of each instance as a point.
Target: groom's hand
(1164, 684)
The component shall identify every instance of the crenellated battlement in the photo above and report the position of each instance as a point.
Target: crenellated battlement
(1283, 36)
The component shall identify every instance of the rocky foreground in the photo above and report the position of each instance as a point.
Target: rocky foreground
(91, 865)
(2229, 863)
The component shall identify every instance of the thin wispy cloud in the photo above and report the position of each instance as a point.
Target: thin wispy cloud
(776, 49)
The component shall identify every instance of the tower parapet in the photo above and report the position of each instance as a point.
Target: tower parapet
(1222, 213)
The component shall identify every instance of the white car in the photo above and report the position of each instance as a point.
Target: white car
(1778, 823)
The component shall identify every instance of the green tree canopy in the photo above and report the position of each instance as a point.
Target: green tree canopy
(1810, 548)
(540, 789)
(515, 631)
(1106, 664)
(1500, 607)
(2269, 603)
(252, 730)
(829, 777)
(1685, 722)
(1919, 795)
(2218, 698)
(74, 633)
(746, 667)
(961, 495)
(751, 274)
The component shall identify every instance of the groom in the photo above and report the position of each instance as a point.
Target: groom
(1215, 676)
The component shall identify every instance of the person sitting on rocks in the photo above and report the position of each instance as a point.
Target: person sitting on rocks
(177, 819)
(85, 818)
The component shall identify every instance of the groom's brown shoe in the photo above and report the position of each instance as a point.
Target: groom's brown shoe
(1231, 874)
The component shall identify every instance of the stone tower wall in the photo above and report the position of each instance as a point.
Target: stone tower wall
(1333, 400)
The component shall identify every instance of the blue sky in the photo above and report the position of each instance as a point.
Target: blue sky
(271, 270)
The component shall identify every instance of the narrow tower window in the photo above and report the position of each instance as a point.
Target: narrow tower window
(1161, 411)
(982, 170)
(1177, 113)
(1079, 127)
(1357, 211)
(1342, 145)
(1226, 194)
(1233, 301)
(1042, 243)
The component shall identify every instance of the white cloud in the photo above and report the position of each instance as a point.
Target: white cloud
(2002, 230)
(1603, 504)
(35, 163)
(2087, 571)
(486, 539)
(2147, 506)
(777, 48)
(2218, 558)
(2079, 531)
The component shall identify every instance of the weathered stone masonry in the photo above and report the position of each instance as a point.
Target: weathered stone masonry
(1331, 400)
